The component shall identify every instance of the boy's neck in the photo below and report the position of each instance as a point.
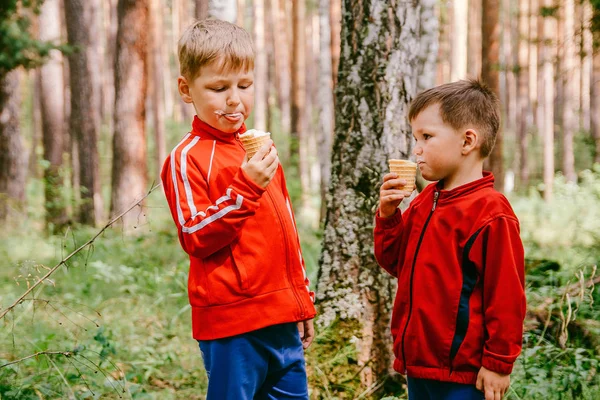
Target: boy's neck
(470, 170)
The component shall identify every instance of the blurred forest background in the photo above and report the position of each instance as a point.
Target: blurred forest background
(93, 282)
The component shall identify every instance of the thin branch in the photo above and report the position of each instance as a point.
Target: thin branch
(39, 353)
(83, 246)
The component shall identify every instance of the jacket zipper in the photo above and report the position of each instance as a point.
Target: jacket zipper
(287, 263)
(412, 272)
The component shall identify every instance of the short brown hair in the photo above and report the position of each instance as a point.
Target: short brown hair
(463, 103)
(210, 40)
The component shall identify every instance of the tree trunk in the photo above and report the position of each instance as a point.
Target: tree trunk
(129, 142)
(443, 67)
(490, 58)
(181, 18)
(586, 65)
(51, 96)
(523, 93)
(13, 165)
(299, 94)
(595, 103)
(335, 19)
(474, 39)
(428, 46)
(84, 121)
(155, 64)
(377, 80)
(201, 9)
(282, 62)
(108, 73)
(459, 40)
(325, 102)
(533, 59)
(261, 84)
(568, 67)
(549, 25)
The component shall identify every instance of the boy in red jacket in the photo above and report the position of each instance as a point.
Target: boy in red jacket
(252, 309)
(458, 315)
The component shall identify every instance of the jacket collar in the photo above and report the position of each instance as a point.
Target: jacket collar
(487, 181)
(201, 128)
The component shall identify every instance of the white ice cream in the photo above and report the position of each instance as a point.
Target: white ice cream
(253, 133)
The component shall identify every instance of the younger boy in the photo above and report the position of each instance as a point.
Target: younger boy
(458, 316)
(251, 307)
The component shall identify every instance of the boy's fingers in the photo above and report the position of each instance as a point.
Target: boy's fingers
(389, 176)
(394, 183)
(479, 384)
(301, 329)
(263, 151)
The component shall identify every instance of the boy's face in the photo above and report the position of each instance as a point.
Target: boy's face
(221, 99)
(438, 148)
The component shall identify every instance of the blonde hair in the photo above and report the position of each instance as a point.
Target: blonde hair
(213, 40)
(463, 103)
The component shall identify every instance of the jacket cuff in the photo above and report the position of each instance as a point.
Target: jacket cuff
(493, 364)
(250, 188)
(389, 222)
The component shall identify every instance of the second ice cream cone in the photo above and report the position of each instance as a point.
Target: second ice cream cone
(406, 170)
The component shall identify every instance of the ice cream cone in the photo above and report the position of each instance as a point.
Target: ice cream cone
(406, 170)
(253, 140)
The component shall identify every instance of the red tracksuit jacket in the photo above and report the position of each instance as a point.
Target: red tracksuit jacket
(246, 267)
(459, 261)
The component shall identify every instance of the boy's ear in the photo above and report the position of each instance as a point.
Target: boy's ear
(184, 89)
(470, 141)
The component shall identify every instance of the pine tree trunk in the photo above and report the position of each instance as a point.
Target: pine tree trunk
(282, 62)
(84, 121)
(335, 18)
(523, 93)
(156, 88)
(201, 9)
(595, 103)
(533, 59)
(459, 40)
(108, 73)
(325, 102)
(261, 84)
(549, 29)
(377, 80)
(299, 94)
(129, 182)
(51, 97)
(586, 65)
(474, 39)
(568, 114)
(13, 165)
(490, 57)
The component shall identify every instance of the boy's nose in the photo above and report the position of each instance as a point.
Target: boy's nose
(233, 99)
(417, 150)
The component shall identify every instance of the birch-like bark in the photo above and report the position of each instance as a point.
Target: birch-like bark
(568, 114)
(377, 80)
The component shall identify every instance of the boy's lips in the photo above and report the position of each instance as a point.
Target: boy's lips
(231, 117)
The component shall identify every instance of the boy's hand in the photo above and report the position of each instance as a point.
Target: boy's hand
(390, 195)
(261, 168)
(492, 384)
(306, 329)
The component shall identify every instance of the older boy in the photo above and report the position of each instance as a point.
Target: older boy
(251, 307)
(456, 251)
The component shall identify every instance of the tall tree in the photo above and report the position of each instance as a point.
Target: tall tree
(377, 80)
(429, 46)
(474, 39)
(282, 62)
(325, 101)
(595, 87)
(523, 92)
(459, 40)
(490, 57)
(299, 95)
(569, 82)
(335, 18)
(261, 84)
(51, 97)
(586, 53)
(156, 88)
(84, 123)
(533, 58)
(548, 55)
(129, 180)
(201, 9)
(13, 165)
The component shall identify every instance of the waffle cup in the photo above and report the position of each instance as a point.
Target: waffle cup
(406, 170)
(253, 143)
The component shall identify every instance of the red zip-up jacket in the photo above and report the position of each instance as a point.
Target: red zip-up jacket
(459, 261)
(246, 266)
